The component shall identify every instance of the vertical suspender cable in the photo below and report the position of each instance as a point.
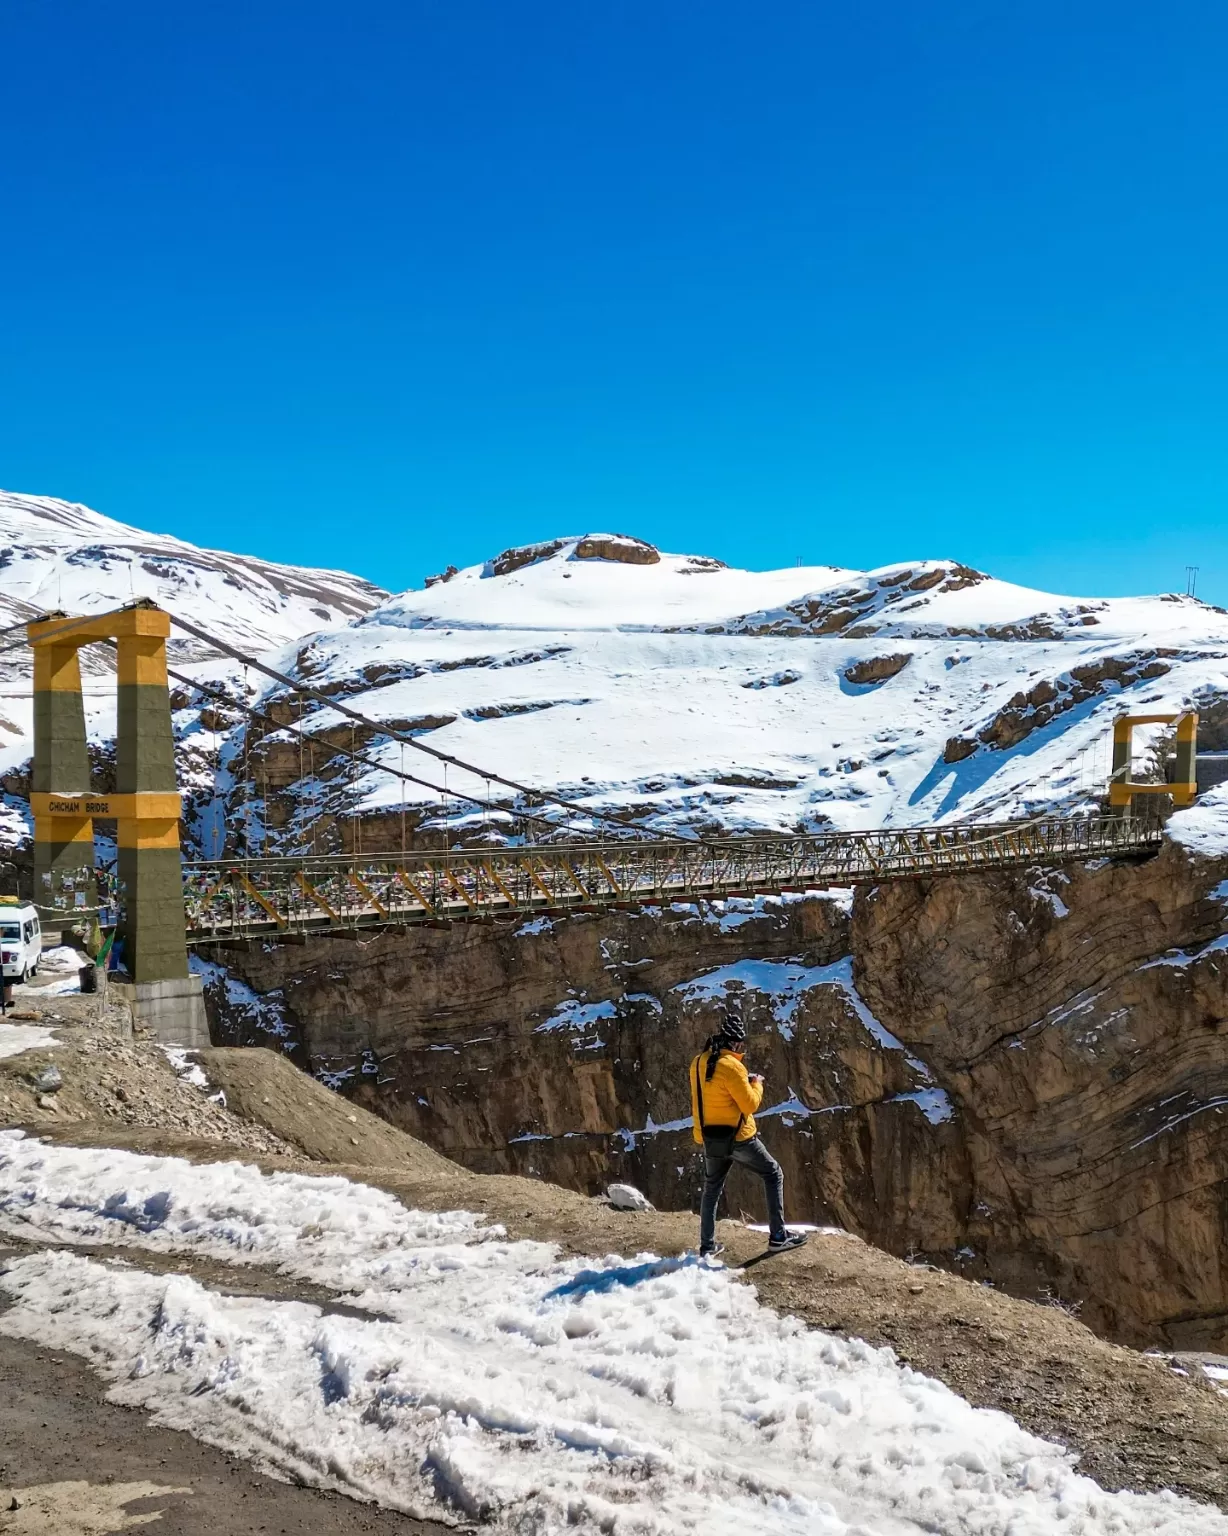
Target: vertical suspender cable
(246, 774)
(300, 766)
(354, 813)
(317, 805)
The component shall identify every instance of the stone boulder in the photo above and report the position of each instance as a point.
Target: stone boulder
(619, 547)
(876, 669)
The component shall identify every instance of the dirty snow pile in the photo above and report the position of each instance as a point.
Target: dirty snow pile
(494, 1380)
(16, 1038)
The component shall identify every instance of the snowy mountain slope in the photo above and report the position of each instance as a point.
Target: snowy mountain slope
(501, 1382)
(688, 695)
(696, 697)
(57, 555)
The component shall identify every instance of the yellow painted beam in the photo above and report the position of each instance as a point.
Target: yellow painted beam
(144, 805)
(260, 901)
(306, 886)
(411, 885)
(142, 660)
(495, 879)
(527, 866)
(147, 832)
(57, 669)
(459, 889)
(65, 829)
(117, 625)
(364, 889)
(605, 870)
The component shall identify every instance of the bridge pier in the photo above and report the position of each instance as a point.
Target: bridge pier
(150, 877)
(162, 995)
(63, 843)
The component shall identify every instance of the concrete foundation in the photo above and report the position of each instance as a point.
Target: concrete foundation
(172, 1011)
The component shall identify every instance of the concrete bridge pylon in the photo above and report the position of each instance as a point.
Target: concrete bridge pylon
(146, 806)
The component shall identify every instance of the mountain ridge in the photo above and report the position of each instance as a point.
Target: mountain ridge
(692, 696)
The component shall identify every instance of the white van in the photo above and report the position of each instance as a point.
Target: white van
(21, 939)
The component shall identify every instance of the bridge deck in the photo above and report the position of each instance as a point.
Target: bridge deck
(239, 898)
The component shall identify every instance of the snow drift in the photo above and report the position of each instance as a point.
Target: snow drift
(497, 1381)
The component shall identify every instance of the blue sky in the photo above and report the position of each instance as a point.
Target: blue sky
(388, 285)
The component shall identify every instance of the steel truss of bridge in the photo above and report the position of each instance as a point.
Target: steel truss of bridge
(303, 894)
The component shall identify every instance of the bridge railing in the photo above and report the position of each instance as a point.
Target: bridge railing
(232, 898)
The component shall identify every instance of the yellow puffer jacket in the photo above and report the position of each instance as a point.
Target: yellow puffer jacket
(729, 1095)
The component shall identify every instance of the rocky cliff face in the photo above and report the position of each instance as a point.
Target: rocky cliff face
(1023, 1077)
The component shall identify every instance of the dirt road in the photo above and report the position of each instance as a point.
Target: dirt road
(80, 1466)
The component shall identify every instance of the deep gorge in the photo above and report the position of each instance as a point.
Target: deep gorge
(1021, 1077)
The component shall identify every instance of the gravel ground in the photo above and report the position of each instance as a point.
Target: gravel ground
(122, 1471)
(109, 1078)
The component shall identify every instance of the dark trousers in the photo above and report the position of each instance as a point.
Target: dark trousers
(718, 1161)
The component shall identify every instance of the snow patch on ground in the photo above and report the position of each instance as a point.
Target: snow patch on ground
(62, 957)
(533, 1393)
(186, 1066)
(16, 1038)
(189, 1070)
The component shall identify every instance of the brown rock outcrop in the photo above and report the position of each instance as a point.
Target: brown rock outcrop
(619, 547)
(524, 554)
(1027, 711)
(1083, 1035)
(876, 669)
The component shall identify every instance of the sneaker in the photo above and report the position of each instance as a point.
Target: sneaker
(712, 1251)
(786, 1240)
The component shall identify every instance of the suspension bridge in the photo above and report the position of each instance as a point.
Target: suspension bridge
(166, 904)
(303, 894)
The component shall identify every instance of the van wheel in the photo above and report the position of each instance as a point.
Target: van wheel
(21, 980)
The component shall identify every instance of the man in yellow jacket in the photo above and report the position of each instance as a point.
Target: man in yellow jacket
(724, 1098)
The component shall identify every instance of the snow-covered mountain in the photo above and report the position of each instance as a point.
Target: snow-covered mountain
(697, 697)
(56, 554)
(670, 688)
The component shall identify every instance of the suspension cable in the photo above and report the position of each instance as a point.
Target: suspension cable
(379, 727)
(384, 729)
(215, 691)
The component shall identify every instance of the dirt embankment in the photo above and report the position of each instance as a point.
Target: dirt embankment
(1133, 1420)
